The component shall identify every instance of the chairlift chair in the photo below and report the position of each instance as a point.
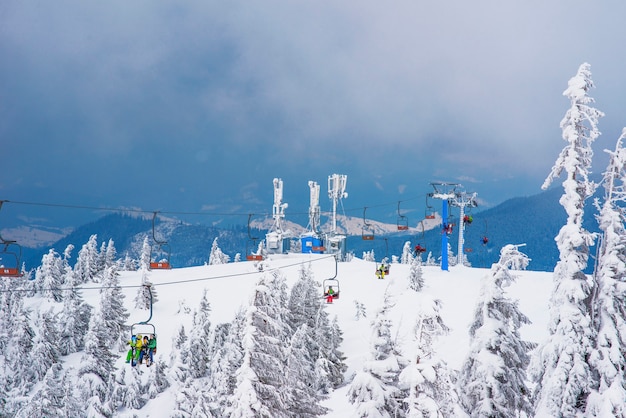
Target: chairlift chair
(13, 251)
(367, 232)
(251, 245)
(430, 211)
(419, 248)
(403, 221)
(10, 249)
(159, 248)
(332, 282)
(144, 327)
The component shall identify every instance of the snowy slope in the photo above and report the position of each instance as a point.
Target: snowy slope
(230, 285)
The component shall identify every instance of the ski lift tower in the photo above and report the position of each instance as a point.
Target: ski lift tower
(445, 192)
(462, 200)
(336, 192)
(311, 240)
(274, 239)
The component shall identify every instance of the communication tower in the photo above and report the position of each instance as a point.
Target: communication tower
(312, 241)
(274, 239)
(336, 192)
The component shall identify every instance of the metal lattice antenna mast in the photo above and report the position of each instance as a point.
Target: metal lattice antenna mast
(463, 199)
(336, 191)
(278, 210)
(314, 207)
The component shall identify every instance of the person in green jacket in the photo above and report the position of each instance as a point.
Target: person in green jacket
(152, 344)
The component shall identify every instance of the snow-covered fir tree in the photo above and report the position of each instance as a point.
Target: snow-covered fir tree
(112, 309)
(227, 357)
(49, 400)
(216, 255)
(45, 344)
(87, 264)
(562, 372)
(73, 319)
(301, 376)
(95, 374)
(492, 381)
(322, 337)
(199, 337)
(609, 354)
(407, 254)
(49, 276)
(374, 390)
(260, 378)
(426, 383)
(416, 276)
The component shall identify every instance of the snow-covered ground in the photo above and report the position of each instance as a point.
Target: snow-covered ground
(230, 287)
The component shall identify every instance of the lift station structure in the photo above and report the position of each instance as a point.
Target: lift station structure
(275, 240)
(449, 196)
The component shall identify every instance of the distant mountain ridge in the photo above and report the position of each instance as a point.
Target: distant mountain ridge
(534, 221)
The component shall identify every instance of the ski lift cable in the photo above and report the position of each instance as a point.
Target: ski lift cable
(173, 282)
(174, 212)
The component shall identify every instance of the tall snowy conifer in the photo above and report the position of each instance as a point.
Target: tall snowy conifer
(426, 383)
(112, 307)
(492, 382)
(199, 338)
(49, 276)
(226, 359)
(95, 375)
(217, 256)
(609, 355)
(45, 345)
(86, 266)
(260, 379)
(407, 254)
(73, 318)
(374, 390)
(300, 376)
(562, 373)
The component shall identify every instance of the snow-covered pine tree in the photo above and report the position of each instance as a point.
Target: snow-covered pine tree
(112, 309)
(19, 348)
(426, 383)
(49, 276)
(127, 392)
(329, 366)
(301, 376)
(157, 379)
(73, 405)
(416, 276)
(227, 357)
(609, 319)
(261, 390)
(179, 368)
(407, 254)
(217, 256)
(562, 372)
(109, 254)
(86, 266)
(73, 320)
(199, 339)
(492, 381)
(144, 257)
(374, 390)
(48, 400)
(45, 345)
(95, 374)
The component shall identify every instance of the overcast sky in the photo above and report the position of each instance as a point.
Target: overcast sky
(188, 106)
